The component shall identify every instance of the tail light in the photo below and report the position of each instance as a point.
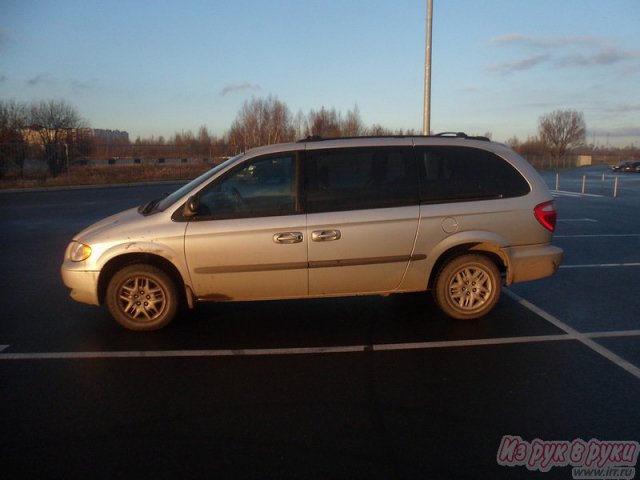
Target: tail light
(546, 214)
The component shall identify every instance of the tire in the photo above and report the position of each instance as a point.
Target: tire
(142, 297)
(467, 287)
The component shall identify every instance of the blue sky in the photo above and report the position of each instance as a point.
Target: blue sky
(157, 67)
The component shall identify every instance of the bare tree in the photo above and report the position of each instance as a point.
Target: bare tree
(204, 138)
(378, 130)
(513, 142)
(325, 123)
(262, 122)
(54, 120)
(204, 141)
(13, 117)
(562, 130)
(352, 126)
(57, 123)
(300, 125)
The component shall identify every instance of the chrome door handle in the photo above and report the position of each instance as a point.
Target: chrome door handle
(288, 237)
(325, 235)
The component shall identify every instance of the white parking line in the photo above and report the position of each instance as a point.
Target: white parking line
(581, 337)
(179, 353)
(602, 265)
(590, 220)
(385, 347)
(2, 347)
(277, 351)
(563, 193)
(614, 333)
(605, 235)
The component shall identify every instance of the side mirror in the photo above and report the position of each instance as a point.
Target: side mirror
(191, 207)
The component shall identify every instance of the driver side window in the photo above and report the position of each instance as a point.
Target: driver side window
(260, 188)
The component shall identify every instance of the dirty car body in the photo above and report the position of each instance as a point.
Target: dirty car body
(460, 216)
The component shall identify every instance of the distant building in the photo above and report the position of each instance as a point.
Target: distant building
(34, 134)
(103, 136)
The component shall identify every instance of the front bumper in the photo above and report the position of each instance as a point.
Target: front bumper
(83, 284)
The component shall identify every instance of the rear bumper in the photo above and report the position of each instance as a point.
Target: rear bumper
(532, 262)
(83, 285)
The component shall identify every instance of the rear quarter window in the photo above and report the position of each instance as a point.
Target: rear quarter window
(457, 174)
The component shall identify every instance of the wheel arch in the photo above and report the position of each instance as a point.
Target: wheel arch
(489, 249)
(117, 263)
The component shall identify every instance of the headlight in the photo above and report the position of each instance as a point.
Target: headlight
(79, 251)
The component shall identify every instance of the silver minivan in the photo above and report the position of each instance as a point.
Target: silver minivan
(456, 215)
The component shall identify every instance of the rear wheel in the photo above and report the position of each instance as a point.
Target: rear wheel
(142, 297)
(467, 287)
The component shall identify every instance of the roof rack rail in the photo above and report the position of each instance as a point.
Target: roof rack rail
(451, 134)
(319, 138)
(311, 138)
(462, 135)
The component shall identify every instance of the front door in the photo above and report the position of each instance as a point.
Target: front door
(248, 240)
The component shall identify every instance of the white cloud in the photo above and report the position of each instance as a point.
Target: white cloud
(561, 52)
(78, 86)
(239, 87)
(619, 132)
(624, 108)
(520, 65)
(542, 42)
(608, 56)
(41, 79)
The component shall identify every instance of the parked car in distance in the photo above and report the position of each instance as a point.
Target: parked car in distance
(634, 167)
(459, 216)
(626, 167)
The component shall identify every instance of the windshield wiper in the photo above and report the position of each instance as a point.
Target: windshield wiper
(148, 207)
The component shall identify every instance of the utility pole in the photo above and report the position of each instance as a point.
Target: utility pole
(426, 121)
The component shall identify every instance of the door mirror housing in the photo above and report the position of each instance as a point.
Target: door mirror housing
(191, 207)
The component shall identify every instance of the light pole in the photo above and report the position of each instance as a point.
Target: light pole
(426, 120)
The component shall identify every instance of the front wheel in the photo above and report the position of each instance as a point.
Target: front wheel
(142, 297)
(467, 287)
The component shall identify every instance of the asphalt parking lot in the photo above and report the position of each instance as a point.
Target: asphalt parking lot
(366, 387)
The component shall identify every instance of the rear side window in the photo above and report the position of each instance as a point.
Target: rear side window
(359, 178)
(449, 174)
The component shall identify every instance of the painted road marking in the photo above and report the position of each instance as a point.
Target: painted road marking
(602, 265)
(562, 193)
(590, 220)
(581, 337)
(385, 347)
(615, 333)
(605, 235)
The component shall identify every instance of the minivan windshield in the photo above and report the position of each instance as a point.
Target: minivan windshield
(169, 200)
